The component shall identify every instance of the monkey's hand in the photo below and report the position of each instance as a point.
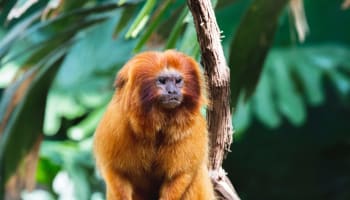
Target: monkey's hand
(175, 187)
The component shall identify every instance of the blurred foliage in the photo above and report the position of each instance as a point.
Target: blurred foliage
(89, 41)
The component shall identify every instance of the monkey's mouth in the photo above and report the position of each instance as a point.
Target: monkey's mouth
(171, 101)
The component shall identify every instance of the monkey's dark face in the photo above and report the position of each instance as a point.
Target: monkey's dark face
(170, 84)
(153, 80)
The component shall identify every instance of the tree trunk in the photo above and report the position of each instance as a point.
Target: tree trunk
(218, 76)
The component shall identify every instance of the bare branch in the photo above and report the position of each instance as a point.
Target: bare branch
(218, 76)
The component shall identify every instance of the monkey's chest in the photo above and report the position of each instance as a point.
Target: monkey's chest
(144, 160)
(144, 169)
(145, 157)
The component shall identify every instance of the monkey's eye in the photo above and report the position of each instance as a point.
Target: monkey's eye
(161, 80)
(178, 80)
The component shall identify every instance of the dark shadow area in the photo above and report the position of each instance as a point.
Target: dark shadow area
(309, 162)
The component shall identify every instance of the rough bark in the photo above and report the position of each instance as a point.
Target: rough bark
(218, 77)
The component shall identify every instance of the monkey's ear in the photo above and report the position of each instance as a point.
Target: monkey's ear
(119, 81)
(122, 77)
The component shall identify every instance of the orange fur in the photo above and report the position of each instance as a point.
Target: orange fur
(145, 152)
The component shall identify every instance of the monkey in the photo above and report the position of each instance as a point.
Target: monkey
(152, 141)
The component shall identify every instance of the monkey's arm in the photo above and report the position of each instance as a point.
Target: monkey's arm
(107, 145)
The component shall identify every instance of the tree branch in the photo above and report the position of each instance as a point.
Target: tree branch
(218, 76)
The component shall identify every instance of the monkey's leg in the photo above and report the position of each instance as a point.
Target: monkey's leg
(175, 188)
(201, 187)
(118, 187)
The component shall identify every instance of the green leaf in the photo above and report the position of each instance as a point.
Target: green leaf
(341, 81)
(83, 84)
(20, 8)
(16, 33)
(289, 100)
(46, 171)
(58, 106)
(242, 115)
(5, 6)
(76, 15)
(49, 40)
(87, 127)
(24, 32)
(310, 77)
(176, 31)
(76, 160)
(26, 123)
(264, 102)
(292, 75)
(102, 55)
(57, 152)
(157, 19)
(251, 43)
(9, 95)
(189, 44)
(80, 179)
(72, 17)
(141, 19)
(126, 15)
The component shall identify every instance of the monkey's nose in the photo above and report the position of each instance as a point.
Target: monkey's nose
(171, 89)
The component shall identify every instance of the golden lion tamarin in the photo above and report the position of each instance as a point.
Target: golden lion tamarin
(152, 141)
